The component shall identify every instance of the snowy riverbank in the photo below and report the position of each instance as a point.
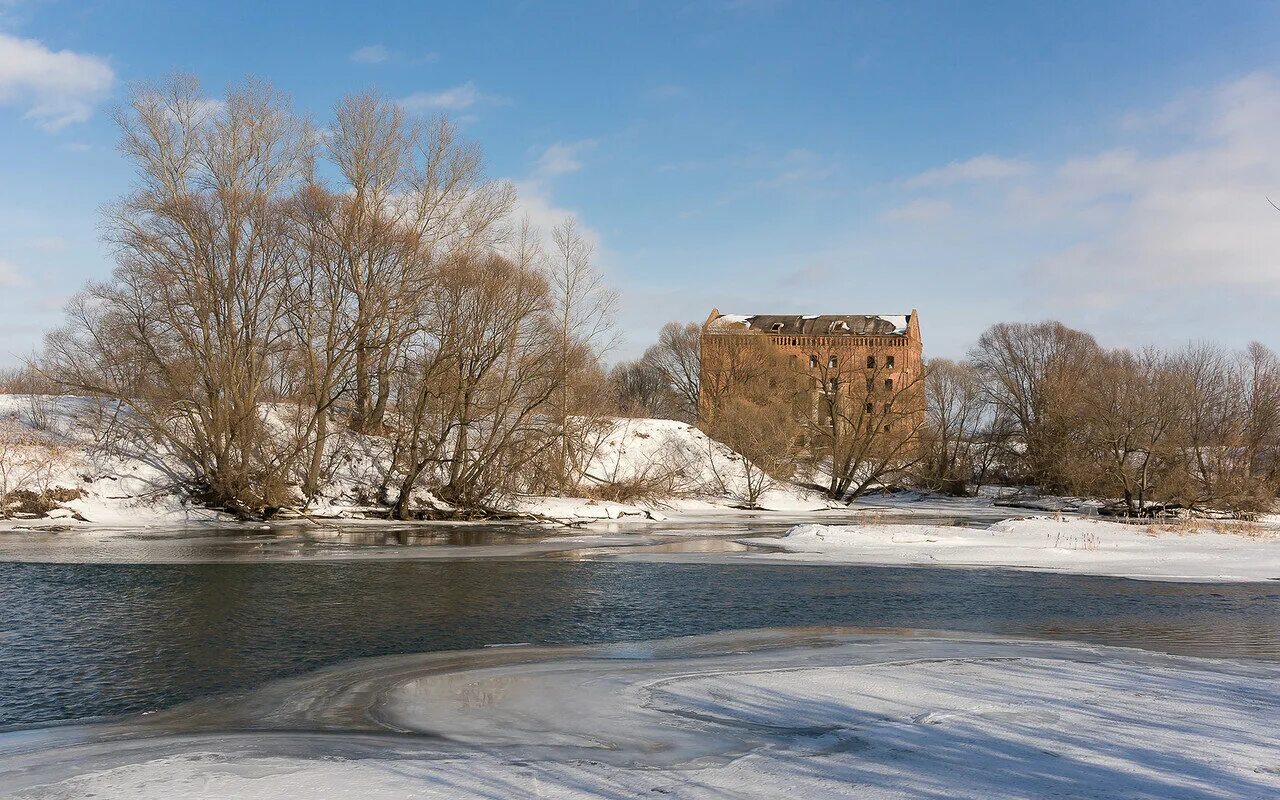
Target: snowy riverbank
(102, 472)
(813, 714)
(1075, 545)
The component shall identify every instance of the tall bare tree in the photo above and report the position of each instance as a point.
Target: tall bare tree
(582, 313)
(189, 330)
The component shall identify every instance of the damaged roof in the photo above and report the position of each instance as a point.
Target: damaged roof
(813, 324)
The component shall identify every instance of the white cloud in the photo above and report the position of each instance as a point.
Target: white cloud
(381, 54)
(57, 88)
(1164, 235)
(798, 167)
(10, 276)
(371, 54)
(562, 158)
(667, 91)
(978, 168)
(535, 204)
(922, 209)
(1195, 215)
(456, 98)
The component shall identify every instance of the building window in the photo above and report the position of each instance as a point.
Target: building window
(871, 362)
(831, 362)
(871, 409)
(777, 326)
(871, 384)
(888, 427)
(813, 362)
(791, 361)
(888, 362)
(888, 407)
(888, 384)
(833, 384)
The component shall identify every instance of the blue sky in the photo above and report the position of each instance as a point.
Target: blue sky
(1106, 164)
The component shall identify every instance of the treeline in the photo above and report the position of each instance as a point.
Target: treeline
(1038, 405)
(278, 283)
(1045, 405)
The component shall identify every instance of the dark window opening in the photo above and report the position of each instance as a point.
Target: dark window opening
(888, 384)
(813, 362)
(831, 362)
(871, 362)
(888, 362)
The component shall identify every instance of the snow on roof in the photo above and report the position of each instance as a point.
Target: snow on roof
(815, 324)
(899, 322)
(731, 321)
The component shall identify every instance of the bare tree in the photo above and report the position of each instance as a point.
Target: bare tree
(763, 432)
(1130, 422)
(956, 417)
(748, 403)
(1260, 368)
(189, 330)
(1033, 375)
(640, 390)
(479, 371)
(866, 424)
(582, 311)
(413, 195)
(677, 357)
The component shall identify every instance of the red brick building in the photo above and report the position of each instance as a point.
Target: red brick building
(871, 362)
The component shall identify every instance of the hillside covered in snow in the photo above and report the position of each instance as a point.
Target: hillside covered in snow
(74, 459)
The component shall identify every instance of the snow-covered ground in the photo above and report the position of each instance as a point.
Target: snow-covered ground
(805, 714)
(1064, 544)
(80, 444)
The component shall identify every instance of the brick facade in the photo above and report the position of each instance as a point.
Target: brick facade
(873, 360)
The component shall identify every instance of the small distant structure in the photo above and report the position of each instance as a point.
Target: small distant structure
(870, 359)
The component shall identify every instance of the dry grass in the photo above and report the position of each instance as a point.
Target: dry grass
(1189, 525)
(25, 502)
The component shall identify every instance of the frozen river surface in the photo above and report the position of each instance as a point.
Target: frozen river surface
(327, 667)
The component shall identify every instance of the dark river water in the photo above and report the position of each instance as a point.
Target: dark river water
(84, 640)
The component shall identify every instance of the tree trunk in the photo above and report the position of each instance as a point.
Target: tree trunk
(312, 483)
